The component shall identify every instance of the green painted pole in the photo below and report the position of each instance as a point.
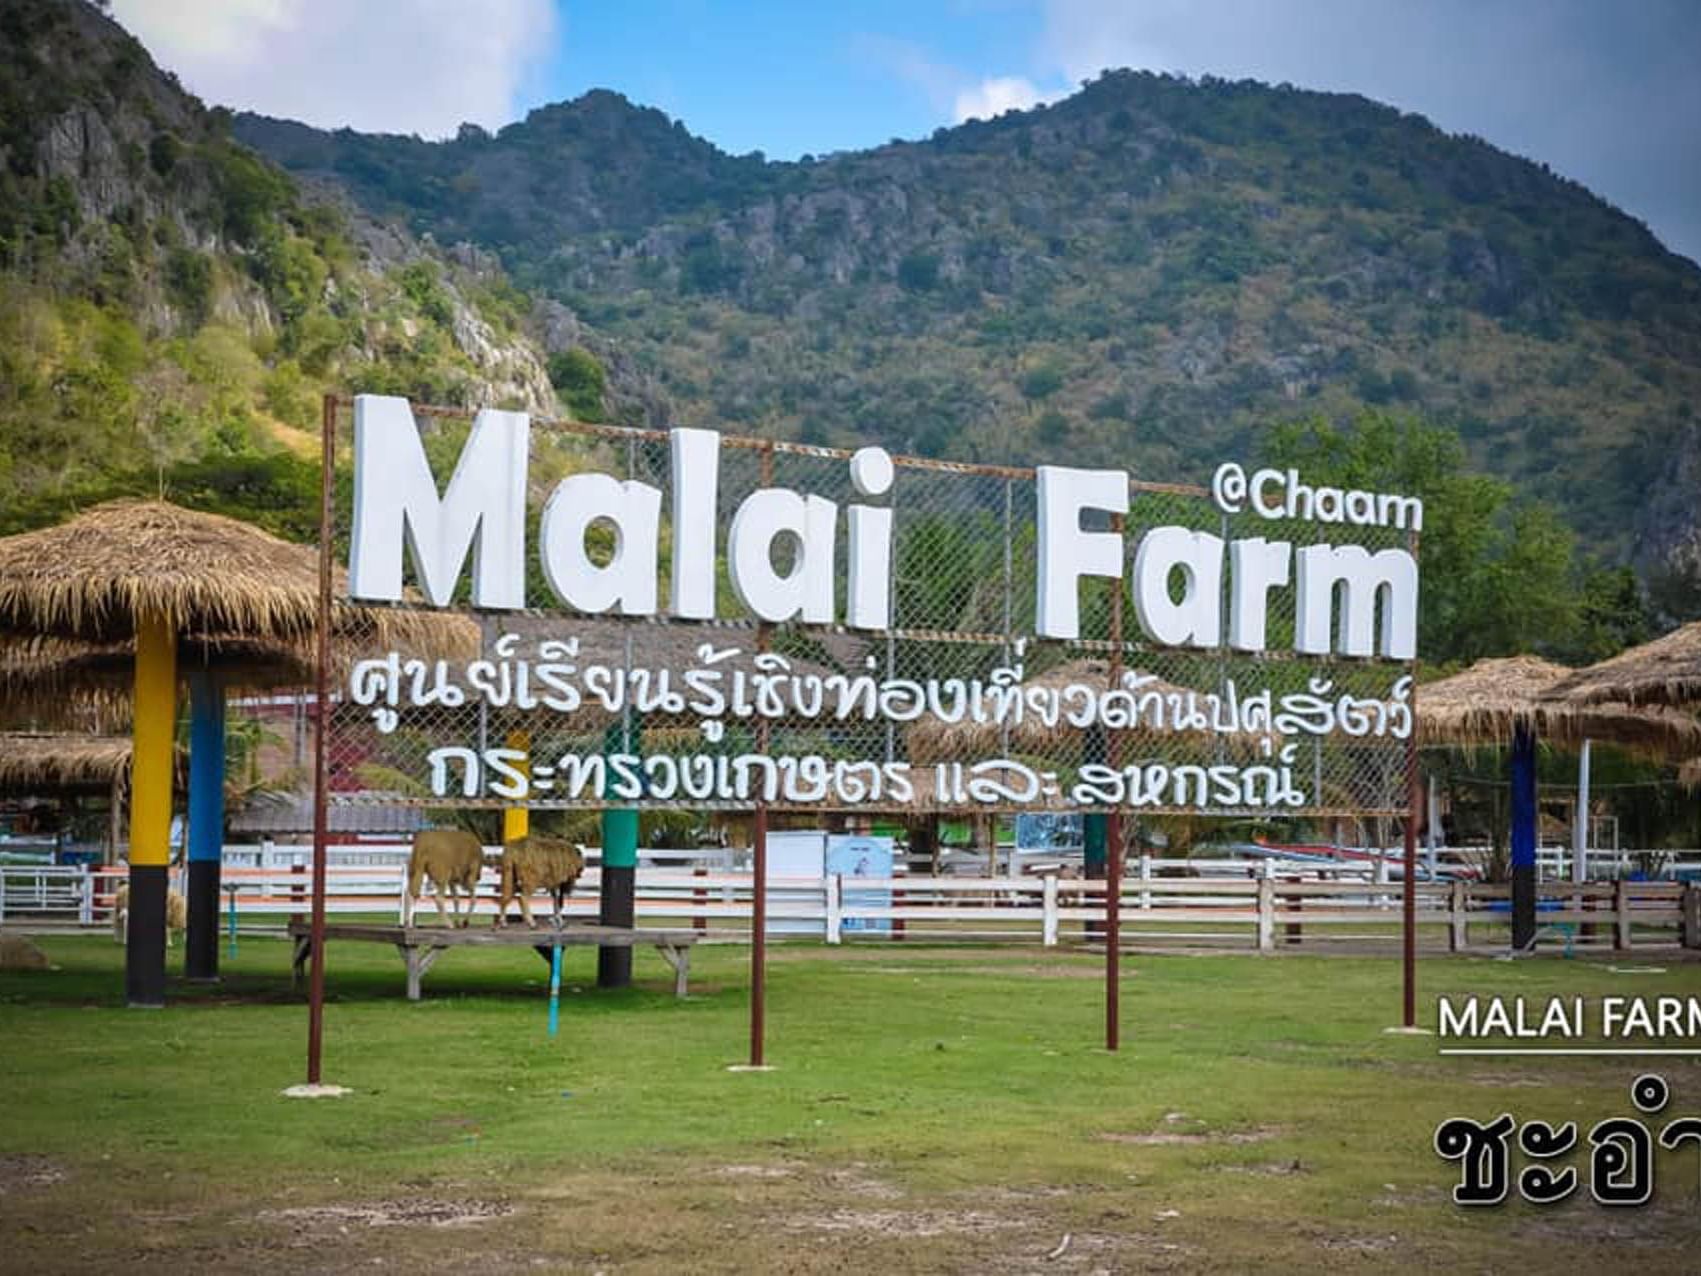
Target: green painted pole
(619, 880)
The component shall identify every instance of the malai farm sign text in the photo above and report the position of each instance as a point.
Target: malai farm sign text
(1178, 576)
(690, 618)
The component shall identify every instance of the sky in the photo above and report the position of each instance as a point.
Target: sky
(1606, 93)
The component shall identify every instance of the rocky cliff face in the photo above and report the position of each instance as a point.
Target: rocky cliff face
(1148, 274)
(129, 190)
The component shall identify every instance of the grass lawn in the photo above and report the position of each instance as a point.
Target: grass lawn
(933, 1109)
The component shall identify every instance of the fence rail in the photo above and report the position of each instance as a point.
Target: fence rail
(1265, 912)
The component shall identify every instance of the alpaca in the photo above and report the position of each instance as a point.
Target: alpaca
(538, 864)
(450, 858)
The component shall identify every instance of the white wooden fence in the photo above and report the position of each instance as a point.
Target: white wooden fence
(1266, 911)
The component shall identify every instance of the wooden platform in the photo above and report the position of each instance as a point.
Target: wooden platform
(420, 946)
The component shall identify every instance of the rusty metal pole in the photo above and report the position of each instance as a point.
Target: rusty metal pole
(322, 690)
(1113, 843)
(1408, 900)
(759, 936)
(1408, 919)
(759, 861)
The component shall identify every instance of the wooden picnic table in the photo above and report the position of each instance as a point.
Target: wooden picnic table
(420, 946)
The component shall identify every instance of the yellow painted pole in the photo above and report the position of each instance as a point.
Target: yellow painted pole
(516, 820)
(154, 739)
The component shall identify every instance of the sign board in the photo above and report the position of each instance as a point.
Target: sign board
(850, 856)
(685, 618)
(801, 854)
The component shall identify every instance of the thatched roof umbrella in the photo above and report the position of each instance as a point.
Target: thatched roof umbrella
(1486, 703)
(146, 573)
(36, 763)
(49, 675)
(93, 576)
(31, 760)
(1512, 700)
(1666, 671)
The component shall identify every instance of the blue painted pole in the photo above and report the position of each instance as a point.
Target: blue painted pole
(1523, 837)
(206, 825)
(554, 989)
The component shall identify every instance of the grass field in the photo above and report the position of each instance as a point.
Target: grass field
(932, 1109)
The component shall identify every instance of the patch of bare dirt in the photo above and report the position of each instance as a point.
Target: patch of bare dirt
(754, 1171)
(1359, 1244)
(1095, 1252)
(1658, 1224)
(416, 1212)
(20, 1173)
(856, 1181)
(906, 1224)
(1182, 1138)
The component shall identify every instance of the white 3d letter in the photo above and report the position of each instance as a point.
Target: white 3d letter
(806, 592)
(483, 511)
(696, 457)
(1362, 576)
(868, 584)
(629, 577)
(1197, 618)
(1257, 566)
(1066, 553)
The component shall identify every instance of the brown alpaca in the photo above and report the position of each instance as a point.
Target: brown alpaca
(450, 858)
(538, 864)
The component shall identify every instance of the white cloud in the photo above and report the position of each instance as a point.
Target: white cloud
(937, 82)
(395, 66)
(1605, 93)
(996, 95)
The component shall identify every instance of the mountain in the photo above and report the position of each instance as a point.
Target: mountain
(1149, 273)
(172, 305)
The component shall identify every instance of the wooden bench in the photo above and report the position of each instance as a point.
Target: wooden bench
(420, 946)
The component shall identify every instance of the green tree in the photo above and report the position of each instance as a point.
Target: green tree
(1497, 573)
(580, 381)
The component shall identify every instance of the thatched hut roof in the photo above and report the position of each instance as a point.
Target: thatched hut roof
(1484, 703)
(42, 668)
(89, 578)
(32, 763)
(1666, 671)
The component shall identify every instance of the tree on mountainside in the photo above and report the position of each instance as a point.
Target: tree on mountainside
(580, 381)
(1500, 575)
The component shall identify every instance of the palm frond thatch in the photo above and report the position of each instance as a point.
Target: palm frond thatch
(40, 763)
(1666, 671)
(1483, 705)
(34, 668)
(91, 577)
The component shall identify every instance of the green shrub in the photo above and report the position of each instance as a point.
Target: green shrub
(580, 381)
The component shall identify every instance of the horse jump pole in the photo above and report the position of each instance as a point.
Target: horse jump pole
(322, 701)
